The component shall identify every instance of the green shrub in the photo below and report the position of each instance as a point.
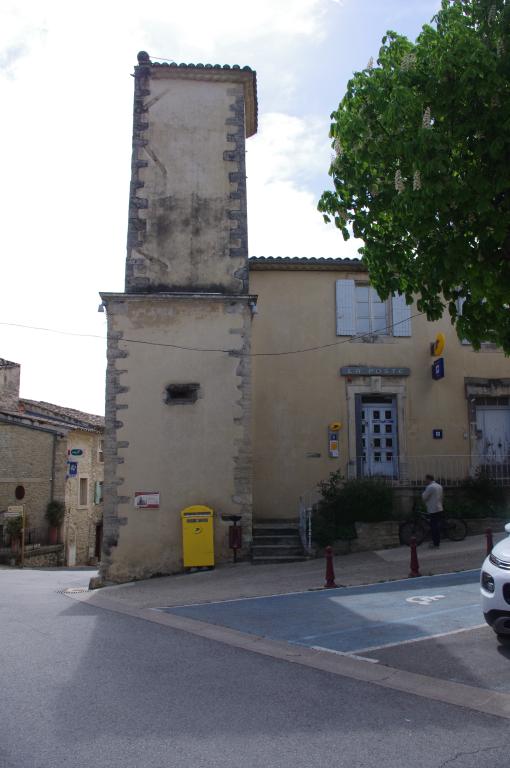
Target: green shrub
(14, 526)
(476, 497)
(479, 496)
(346, 502)
(367, 500)
(324, 530)
(55, 513)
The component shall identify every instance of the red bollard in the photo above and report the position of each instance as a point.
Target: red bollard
(415, 566)
(490, 542)
(330, 571)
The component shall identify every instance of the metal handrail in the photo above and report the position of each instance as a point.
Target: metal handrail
(448, 469)
(307, 502)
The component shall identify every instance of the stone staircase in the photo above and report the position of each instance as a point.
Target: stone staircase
(276, 541)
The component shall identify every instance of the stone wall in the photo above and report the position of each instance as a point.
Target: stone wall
(37, 460)
(81, 518)
(27, 458)
(9, 385)
(372, 536)
(38, 557)
(479, 525)
(45, 557)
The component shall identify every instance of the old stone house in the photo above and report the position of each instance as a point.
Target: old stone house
(50, 452)
(240, 384)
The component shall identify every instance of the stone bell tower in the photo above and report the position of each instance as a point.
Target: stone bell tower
(178, 379)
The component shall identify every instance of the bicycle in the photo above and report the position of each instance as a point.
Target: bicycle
(453, 528)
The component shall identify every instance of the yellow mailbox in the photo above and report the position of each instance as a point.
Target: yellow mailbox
(197, 536)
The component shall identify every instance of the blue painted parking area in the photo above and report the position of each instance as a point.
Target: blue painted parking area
(354, 619)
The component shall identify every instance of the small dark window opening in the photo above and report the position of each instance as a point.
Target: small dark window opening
(19, 492)
(181, 394)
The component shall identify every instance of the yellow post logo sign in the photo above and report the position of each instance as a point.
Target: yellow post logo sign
(437, 346)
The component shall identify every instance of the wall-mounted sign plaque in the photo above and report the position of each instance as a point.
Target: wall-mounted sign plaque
(372, 370)
(147, 499)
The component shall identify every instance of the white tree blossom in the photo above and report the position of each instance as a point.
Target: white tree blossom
(408, 62)
(338, 148)
(399, 181)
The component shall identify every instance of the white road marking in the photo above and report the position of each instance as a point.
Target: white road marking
(409, 621)
(345, 653)
(419, 639)
(424, 599)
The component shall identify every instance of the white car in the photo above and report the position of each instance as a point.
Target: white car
(495, 586)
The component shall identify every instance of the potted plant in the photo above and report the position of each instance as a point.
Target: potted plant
(55, 512)
(14, 527)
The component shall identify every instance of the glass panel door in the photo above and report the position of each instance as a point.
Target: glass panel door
(379, 439)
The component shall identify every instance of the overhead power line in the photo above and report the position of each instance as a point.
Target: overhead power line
(344, 340)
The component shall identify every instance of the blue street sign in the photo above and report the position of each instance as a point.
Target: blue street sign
(73, 468)
(438, 369)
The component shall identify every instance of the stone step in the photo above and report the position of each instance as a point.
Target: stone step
(276, 541)
(291, 539)
(274, 530)
(271, 550)
(276, 559)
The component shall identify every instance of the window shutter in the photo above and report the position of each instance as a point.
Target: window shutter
(401, 315)
(460, 303)
(345, 309)
(97, 492)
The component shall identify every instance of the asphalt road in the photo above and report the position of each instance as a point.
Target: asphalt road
(83, 686)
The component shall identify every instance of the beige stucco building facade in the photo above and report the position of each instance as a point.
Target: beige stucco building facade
(376, 383)
(178, 396)
(240, 384)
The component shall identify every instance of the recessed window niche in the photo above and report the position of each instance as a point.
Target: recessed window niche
(181, 394)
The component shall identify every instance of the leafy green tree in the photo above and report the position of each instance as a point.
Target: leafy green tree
(421, 169)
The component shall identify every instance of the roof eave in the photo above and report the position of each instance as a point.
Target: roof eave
(289, 263)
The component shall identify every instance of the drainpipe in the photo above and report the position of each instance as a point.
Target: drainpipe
(53, 463)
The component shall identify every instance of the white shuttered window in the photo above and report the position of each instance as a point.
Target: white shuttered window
(345, 315)
(401, 312)
(359, 310)
(460, 303)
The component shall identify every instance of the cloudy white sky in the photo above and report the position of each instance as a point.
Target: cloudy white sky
(66, 96)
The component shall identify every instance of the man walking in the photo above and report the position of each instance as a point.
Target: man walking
(433, 498)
